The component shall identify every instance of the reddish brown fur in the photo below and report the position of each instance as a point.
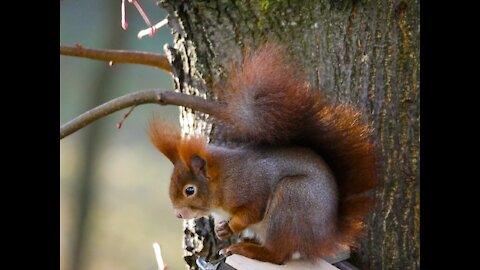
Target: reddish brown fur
(275, 93)
(165, 136)
(345, 143)
(196, 146)
(190, 147)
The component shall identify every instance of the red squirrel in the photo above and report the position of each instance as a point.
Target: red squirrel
(301, 171)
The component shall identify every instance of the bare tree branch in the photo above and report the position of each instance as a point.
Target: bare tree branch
(118, 56)
(213, 108)
(137, 98)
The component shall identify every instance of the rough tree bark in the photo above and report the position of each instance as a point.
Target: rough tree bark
(364, 53)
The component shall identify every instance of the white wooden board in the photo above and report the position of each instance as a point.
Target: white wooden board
(244, 263)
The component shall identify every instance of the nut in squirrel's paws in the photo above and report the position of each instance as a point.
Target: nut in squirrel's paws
(222, 230)
(224, 252)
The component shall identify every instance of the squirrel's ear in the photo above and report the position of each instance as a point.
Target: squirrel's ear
(165, 136)
(198, 165)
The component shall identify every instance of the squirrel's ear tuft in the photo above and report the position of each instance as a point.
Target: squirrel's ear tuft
(194, 154)
(166, 137)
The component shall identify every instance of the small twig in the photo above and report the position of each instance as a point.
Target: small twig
(124, 117)
(124, 20)
(118, 56)
(149, 31)
(141, 11)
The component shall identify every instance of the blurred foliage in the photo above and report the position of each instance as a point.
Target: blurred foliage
(130, 208)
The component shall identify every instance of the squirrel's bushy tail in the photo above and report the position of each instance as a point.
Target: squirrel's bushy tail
(270, 102)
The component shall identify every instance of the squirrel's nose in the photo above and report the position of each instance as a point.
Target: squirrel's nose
(179, 215)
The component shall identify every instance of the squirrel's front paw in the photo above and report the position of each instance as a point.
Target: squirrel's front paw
(222, 230)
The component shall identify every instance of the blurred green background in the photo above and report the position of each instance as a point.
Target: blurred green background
(113, 183)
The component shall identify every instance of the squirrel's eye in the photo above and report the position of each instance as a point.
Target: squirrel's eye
(189, 191)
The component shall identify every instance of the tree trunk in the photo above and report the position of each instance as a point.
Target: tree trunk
(364, 53)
